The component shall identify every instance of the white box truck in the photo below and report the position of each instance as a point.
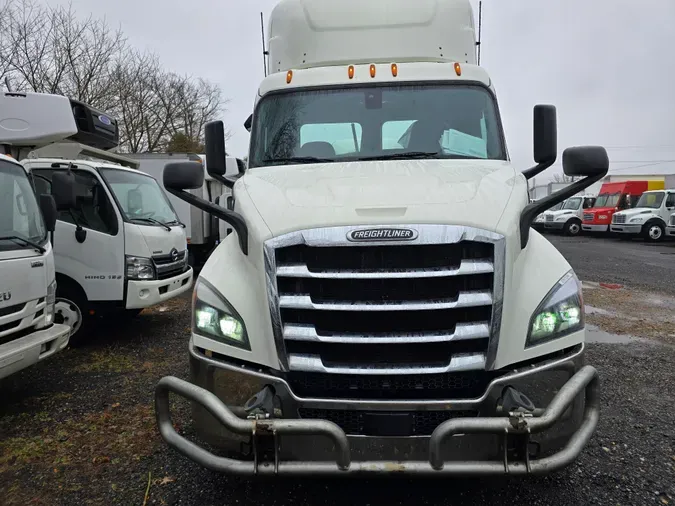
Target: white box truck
(120, 245)
(383, 306)
(28, 333)
(649, 218)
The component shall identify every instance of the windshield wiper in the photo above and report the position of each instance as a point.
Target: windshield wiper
(153, 220)
(176, 222)
(23, 242)
(299, 159)
(417, 155)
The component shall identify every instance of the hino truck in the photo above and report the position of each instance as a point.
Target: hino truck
(648, 219)
(121, 247)
(383, 305)
(28, 333)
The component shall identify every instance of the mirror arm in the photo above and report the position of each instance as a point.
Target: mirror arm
(538, 169)
(228, 181)
(236, 220)
(535, 208)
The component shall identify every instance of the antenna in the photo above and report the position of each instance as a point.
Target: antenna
(265, 52)
(480, 27)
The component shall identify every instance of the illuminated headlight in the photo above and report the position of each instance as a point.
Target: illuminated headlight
(638, 219)
(560, 313)
(214, 317)
(139, 268)
(50, 302)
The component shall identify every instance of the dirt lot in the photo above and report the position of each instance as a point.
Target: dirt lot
(80, 430)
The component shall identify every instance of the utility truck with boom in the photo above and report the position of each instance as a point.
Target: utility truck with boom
(28, 333)
(120, 246)
(383, 305)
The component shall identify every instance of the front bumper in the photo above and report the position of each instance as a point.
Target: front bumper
(594, 228)
(141, 294)
(26, 351)
(670, 230)
(555, 225)
(626, 229)
(565, 393)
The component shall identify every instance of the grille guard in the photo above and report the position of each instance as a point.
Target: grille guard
(585, 380)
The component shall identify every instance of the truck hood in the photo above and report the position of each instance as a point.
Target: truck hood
(148, 241)
(599, 210)
(466, 192)
(561, 212)
(629, 213)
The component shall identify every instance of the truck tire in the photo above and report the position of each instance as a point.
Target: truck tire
(653, 231)
(572, 228)
(72, 309)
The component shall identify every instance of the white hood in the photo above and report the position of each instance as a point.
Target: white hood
(630, 213)
(463, 192)
(561, 212)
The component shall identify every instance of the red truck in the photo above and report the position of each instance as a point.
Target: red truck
(615, 197)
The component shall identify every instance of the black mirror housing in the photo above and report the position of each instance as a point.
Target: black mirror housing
(545, 134)
(587, 161)
(183, 175)
(49, 211)
(63, 190)
(214, 135)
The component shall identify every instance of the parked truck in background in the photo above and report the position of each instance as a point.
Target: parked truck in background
(381, 292)
(648, 219)
(120, 245)
(568, 218)
(670, 229)
(540, 220)
(28, 333)
(201, 228)
(615, 197)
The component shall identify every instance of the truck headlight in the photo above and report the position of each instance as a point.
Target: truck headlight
(560, 313)
(214, 317)
(139, 268)
(638, 219)
(564, 217)
(50, 303)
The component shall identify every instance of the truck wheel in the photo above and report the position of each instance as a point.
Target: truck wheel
(653, 232)
(71, 309)
(572, 228)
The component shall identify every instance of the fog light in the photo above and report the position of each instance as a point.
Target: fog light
(143, 293)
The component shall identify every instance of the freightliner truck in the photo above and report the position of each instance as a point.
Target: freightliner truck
(383, 305)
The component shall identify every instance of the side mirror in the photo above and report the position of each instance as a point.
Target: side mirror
(214, 134)
(586, 161)
(63, 190)
(49, 211)
(183, 176)
(545, 130)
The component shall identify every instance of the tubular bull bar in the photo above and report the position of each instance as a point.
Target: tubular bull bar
(521, 424)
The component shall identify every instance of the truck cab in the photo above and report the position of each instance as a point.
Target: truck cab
(670, 229)
(28, 332)
(568, 218)
(121, 246)
(540, 221)
(382, 290)
(614, 197)
(648, 219)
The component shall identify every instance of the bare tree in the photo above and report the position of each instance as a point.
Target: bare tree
(562, 178)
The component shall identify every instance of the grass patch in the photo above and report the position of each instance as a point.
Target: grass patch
(106, 361)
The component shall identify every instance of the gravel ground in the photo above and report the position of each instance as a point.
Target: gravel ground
(79, 429)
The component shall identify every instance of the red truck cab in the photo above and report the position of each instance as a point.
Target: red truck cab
(613, 197)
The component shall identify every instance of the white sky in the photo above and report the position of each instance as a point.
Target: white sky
(606, 64)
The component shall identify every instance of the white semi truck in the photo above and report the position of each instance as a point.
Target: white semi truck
(121, 247)
(383, 305)
(28, 333)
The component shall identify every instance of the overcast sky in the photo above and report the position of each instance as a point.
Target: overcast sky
(606, 64)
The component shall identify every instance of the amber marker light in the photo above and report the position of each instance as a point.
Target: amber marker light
(289, 77)
(350, 72)
(458, 69)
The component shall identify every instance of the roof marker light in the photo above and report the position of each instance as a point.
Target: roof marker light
(458, 69)
(394, 69)
(372, 71)
(289, 77)
(350, 72)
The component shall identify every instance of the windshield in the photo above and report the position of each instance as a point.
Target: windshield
(141, 198)
(573, 203)
(607, 200)
(20, 215)
(376, 123)
(651, 200)
(556, 207)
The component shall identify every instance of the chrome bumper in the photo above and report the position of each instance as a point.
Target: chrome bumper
(567, 422)
(594, 228)
(555, 225)
(670, 230)
(626, 229)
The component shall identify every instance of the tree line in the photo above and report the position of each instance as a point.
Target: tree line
(52, 50)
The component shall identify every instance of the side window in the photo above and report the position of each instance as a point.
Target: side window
(325, 140)
(670, 201)
(93, 209)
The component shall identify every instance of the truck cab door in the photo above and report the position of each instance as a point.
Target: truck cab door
(669, 206)
(89, 239)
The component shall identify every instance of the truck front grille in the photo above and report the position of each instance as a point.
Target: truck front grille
(549, 217)
(588, 217)
(386, 311)
(619, 219)
(168, 266)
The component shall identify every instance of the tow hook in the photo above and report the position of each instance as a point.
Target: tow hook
(260, 408)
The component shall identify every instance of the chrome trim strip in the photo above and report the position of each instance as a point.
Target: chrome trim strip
(566, 363)
(458, 363)
(463, 331)
(466, 267)
(466, 299)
